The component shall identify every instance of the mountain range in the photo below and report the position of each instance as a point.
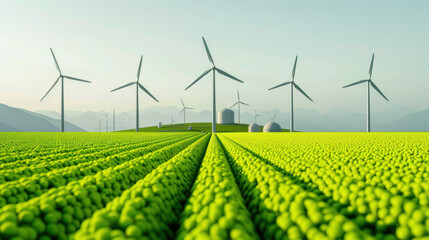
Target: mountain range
(20, 120)
(395, 118)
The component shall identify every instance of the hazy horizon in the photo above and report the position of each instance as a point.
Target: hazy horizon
(102, 41)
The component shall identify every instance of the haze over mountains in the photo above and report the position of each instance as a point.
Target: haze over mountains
(396, 118)
(20, 120)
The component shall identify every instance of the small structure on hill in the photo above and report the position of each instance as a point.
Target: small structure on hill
(225, 116)
(254, 128)
(272, 127)
(160, 125)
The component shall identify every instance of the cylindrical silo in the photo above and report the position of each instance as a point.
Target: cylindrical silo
(225, 116)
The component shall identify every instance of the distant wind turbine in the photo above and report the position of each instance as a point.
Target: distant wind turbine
(239, 103)
(172, 120)
(138, 85)
(62, 88)
(274, 117)
(256, 115)
(114, 127)
(107, 122)
(370, 83)
(293, 85)
(214, 69)
(184, 111)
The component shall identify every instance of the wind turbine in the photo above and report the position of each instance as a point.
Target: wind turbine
(107, 122)
(274, 117)
(238, 103)
(256, 115)
(62, 88)
(214, 69)
(114, 120)
(138, 85)
(184, 111)
(172, 120)
(293, 85)
(370, 83)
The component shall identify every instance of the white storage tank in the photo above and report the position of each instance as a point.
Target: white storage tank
(254, 128)
(160, 125)
(225, 116)
(272, 127)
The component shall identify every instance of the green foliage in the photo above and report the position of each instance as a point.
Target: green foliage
(223, 186)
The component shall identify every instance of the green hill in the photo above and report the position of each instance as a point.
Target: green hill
(199, 127)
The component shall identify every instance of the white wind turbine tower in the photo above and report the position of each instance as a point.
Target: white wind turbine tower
(107, 122)
(293, 85)
(184, 111)
(214, 69)
(138, 85)
(370, 83)
(114, 120)
(238, 103)
(62, 88)
(256, 115)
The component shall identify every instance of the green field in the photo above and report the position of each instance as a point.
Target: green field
(193, 185)
(198, 127)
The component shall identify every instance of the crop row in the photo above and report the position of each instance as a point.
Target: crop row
(378, 199)
(152, 206)
(60, 211)
(84, 152)
(38, 183)
(38, 166)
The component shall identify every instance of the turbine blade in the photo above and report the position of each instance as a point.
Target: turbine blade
(126, 85)
(182, 102)
(51, 88)
(238, 95)
(208, 52)
(378, 90)
(201, 76)
(302, 91)
(182, 111)
(148, 93)
(356, 83)
(76, 79)
(234, 104)
(188, 108)
(140, 67)
(56, 63)
(280, 85)
(294, 68)
(228, 75)
(245, 104)
(370, 67)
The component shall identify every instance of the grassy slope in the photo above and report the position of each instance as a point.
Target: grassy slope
(204, 127)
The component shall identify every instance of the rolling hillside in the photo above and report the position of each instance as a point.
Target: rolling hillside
(21, 120)
(197, 127)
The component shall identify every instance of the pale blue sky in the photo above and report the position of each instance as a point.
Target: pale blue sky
(255, 41)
